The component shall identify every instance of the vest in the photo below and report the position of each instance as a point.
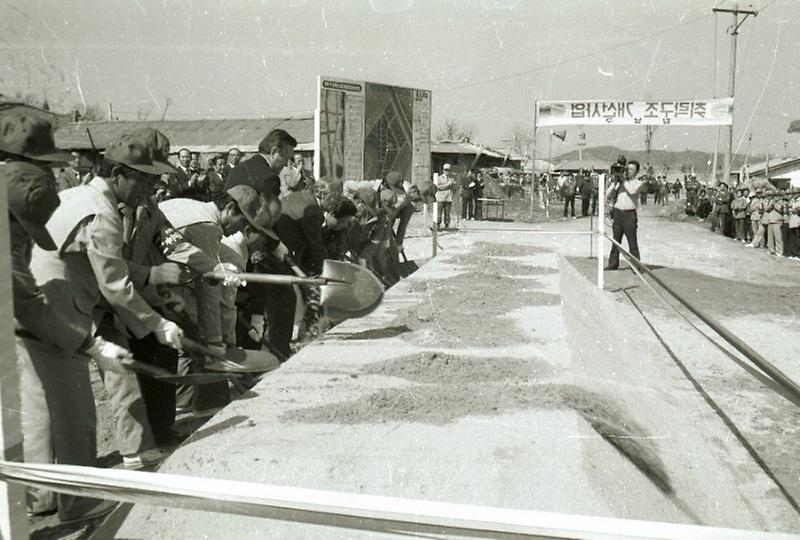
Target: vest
(77, 204)
(184, 212)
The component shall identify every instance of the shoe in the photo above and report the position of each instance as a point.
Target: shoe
(144, 459)
(100, 510)
(749, 245)
(610, 269)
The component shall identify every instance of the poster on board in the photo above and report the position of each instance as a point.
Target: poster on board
(365, 130)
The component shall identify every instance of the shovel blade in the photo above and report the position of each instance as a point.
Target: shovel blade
(238, 360)
(362, 294)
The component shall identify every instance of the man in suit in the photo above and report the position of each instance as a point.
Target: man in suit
(277, 303)
(182, 178)
(262, 170)
(234, 156)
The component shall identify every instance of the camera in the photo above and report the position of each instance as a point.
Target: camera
(618, 170)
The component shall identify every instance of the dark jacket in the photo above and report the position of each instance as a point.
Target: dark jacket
(300, 228)
(256, 173)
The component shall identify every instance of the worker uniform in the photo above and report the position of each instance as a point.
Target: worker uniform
(146, 243)
(86, 268)
(200, 224)
(773, 218)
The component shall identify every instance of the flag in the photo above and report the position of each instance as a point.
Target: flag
(794, 127)
(561, 134)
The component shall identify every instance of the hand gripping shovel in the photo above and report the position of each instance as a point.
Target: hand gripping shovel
(347, 290)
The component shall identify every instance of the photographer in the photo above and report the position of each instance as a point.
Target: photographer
(623, 195)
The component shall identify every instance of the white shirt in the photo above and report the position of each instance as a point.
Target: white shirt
(624, 200)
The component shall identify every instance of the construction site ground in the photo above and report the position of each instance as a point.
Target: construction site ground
(497, 374)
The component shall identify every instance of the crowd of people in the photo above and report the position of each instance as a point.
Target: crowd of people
(111, 259)
(764, 217)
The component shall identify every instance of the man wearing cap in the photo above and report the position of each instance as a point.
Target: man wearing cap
(204, 225)
(49, 408)
(88, 271)
(444, 196)
(148, 239)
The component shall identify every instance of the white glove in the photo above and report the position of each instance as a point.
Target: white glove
(109, 356)
(231, 277)
(169, 333)
(281, 252)
(256, 333)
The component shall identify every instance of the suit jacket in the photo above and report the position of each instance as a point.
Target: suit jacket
(256, 173)
(178, 182)
(300, 228)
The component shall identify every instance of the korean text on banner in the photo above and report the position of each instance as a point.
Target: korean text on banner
(698, 112)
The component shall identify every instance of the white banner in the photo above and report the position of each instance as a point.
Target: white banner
(697, 112)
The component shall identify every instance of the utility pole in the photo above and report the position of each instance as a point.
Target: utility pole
(734, 31)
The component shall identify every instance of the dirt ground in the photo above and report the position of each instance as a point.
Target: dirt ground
(749, 292)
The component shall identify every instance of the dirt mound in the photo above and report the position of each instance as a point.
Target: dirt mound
(497, 249)
(449, 401)
(437, 367)
(454, 315)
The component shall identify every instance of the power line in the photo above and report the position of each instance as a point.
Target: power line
(575, 58)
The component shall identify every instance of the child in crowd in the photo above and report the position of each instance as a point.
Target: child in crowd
(703, 205)
(738, 209)
(793, 243)
(748, 229)
(773, 221)
(756, 213)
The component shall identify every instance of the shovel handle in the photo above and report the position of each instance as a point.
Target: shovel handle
(274, 279)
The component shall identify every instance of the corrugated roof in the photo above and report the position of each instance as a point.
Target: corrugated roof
(208, 135)
(759, 168)
(453, 147)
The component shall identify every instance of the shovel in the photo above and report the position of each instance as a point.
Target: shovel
(162, 375)
(235, 360)
(363, 294)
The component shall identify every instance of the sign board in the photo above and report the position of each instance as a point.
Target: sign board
(697, 112)
(364, 130)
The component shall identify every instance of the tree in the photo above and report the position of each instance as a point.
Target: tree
(521, 140)
(455, 130)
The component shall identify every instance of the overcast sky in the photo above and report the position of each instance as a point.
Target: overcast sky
(245, 58)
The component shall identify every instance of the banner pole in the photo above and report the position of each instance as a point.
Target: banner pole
(601, 225)
(533, 151)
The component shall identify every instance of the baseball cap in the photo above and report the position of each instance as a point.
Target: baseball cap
(30, 137)
(32, 199)
(250, 203)
(138, 151)
(158, 144)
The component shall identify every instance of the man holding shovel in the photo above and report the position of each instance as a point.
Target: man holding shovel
(87, 270)
(204, 225)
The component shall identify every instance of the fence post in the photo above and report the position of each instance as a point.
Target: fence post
(601, 228)
(13, 519)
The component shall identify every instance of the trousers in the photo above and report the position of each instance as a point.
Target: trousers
(775, 238)
(59, 419)
(444, 213)
(132, 430)
(569, 202)
(625, 223)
